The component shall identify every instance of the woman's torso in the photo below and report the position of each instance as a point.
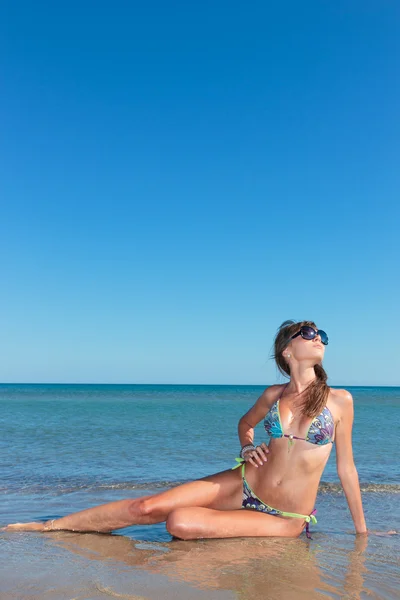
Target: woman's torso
(289, 479)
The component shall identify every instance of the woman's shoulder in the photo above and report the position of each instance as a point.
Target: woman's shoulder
(271, 394)
(341, 399)
(341, 395)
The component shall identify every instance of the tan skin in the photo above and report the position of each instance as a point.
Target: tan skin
(284, 478)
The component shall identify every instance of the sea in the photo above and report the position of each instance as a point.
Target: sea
(64, 448)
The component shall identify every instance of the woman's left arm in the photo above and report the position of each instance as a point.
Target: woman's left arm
(345, 462)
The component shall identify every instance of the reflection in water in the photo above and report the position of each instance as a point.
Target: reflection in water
(251, 568)
(354, 578)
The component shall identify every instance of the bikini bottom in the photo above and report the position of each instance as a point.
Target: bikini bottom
(250, 500)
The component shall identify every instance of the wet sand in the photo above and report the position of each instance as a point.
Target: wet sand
(64, 565)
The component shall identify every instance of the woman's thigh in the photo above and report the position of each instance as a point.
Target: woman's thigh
(221, 491)
(193, 523)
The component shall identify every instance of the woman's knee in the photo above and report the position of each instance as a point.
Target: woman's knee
(178, 525)
(140, 507)
(294, 528)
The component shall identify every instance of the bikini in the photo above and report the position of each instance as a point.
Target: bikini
(320, 433)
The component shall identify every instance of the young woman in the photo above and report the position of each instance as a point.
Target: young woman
(278, 483)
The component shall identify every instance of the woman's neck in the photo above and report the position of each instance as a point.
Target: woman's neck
(300, 378)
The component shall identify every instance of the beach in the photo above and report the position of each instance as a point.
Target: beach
(68, 447)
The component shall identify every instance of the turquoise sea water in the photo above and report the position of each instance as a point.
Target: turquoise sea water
(67, 447)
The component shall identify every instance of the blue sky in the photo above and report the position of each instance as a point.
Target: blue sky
(177, 179)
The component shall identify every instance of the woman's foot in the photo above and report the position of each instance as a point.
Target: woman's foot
(24, 527)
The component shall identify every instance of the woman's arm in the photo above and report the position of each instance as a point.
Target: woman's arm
(253, 416)
(345, 462)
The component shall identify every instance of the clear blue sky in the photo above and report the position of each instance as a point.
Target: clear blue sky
(178, 178)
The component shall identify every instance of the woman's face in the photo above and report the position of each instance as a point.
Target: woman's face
(305, 350)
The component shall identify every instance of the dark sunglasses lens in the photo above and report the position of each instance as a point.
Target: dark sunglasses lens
(323, 336)
(308, 333)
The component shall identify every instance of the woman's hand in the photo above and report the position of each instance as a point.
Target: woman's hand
(258, 456)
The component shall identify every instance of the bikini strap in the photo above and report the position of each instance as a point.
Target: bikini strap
(241, 463)
(313, 519)
(283, 391)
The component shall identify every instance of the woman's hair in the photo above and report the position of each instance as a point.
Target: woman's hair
(317, 390)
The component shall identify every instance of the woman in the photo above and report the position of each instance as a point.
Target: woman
(303, 419)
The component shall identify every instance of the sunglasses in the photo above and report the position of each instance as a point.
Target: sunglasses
(309, 333)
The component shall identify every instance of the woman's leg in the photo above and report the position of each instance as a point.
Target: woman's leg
(194, 523)
(222, 491)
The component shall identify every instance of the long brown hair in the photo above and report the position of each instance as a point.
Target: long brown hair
(317, 391)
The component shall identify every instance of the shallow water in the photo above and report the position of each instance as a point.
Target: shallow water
(67, 565)
(65, 448)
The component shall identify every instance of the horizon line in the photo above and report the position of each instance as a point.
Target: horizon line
(178, 384)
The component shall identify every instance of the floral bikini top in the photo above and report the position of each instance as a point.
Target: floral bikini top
(320, 431)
